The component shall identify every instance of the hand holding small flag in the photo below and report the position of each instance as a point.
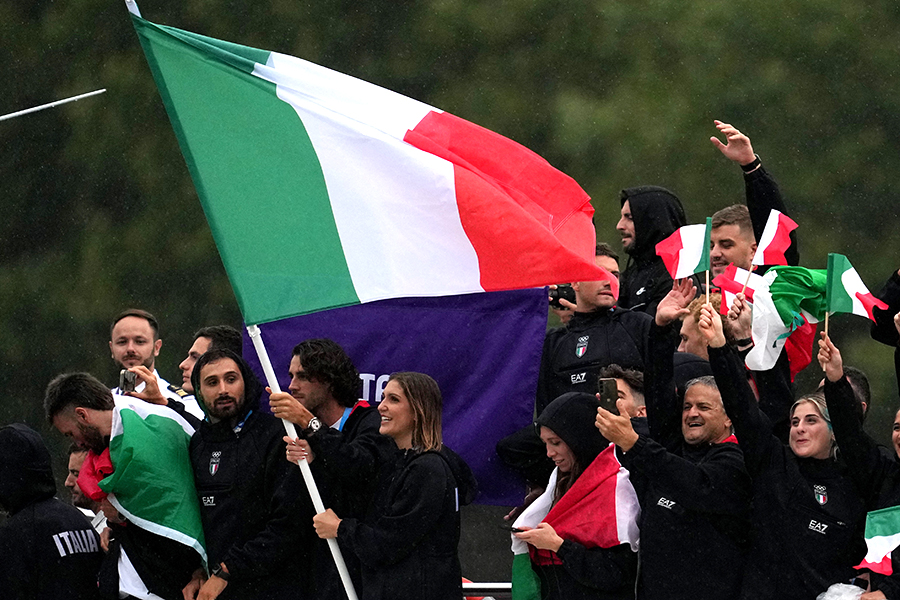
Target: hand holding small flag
(830, 359)
(711, 326)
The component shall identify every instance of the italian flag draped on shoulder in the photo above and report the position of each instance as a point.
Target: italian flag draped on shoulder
(323, 190)
(153, 484)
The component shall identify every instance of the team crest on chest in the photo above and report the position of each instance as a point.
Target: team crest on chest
(581, 348)
(214, 462)
(821, 494)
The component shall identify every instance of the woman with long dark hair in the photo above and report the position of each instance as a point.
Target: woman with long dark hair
(582, 533)
(407, 543)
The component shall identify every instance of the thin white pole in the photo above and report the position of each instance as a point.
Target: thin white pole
(256, 338)
(50, 105)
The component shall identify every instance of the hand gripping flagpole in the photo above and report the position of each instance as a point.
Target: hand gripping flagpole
(260, 347)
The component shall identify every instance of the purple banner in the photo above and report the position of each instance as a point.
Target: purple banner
(484, 351)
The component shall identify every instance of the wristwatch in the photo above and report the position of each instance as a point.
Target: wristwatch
(313, 427)
(220, 572)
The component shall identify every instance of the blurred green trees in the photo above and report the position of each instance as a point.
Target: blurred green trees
(99, 212)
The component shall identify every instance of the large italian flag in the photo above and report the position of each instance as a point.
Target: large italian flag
(845, 290)
(152, 483)
(323, 190)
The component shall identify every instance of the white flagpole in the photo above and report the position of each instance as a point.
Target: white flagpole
(256, 338)
(50, 105)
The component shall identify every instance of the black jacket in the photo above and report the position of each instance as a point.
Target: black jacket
(657, 213)
(883, 329)
(48, 549)
(407, 543)
(807, 514)
(346, 468)
(876, 474)
(695, 500)
(763, 195)
(574, 354)
(254, 506)
(695, 508)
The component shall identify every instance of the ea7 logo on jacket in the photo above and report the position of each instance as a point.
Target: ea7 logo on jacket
(214, 462)
(665, 503)
(581, 348)
(818, 527)
(579, 377)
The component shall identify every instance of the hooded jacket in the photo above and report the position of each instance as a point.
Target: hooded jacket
(656, 213)
(408, 542)
(48, 548)
(595, 573)
(253, 502)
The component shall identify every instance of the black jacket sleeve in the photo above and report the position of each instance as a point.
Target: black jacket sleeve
(751, 426)
(883, 329)
(599, 568)
(351, 462)
(762, 196)
(415, 509)
(718, 485)
(776, 396)
(868, 466)
(663, 412)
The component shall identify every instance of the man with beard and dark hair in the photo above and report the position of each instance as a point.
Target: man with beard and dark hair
(134, 340)
(340, 439)
(252, 501)
(48, 548)
(139, 562)
(650, 214)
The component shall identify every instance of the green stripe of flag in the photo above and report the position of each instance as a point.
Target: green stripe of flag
(836, 298)
(252, 163)
(703, 265)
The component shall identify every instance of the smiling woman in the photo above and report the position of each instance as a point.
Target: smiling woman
(407, 543)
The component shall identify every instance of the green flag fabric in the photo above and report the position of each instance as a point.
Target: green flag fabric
(153, 483)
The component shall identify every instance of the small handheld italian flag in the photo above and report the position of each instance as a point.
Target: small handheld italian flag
(775, 240)
(686, 251)
(845, 290)
(882, 538)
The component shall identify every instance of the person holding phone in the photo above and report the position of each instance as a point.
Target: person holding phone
(582, 532)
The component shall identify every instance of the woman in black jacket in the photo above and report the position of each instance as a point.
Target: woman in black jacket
(576, 563)
(807, 512)
(407, 543)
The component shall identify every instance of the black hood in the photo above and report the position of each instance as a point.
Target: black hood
(656, 213)
(688, 366)
(25, 473)
(466, 484)
(572, 417)
(252, 387)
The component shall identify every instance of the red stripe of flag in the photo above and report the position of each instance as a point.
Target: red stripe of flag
(773, 254)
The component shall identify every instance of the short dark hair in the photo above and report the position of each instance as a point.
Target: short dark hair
(632, 378)
(325, 361)
(736, 214)
(252, 387)
(76, 449)
(222, 336)
(604, 249)
(861, 389)
(78, 390)
(142, 314)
